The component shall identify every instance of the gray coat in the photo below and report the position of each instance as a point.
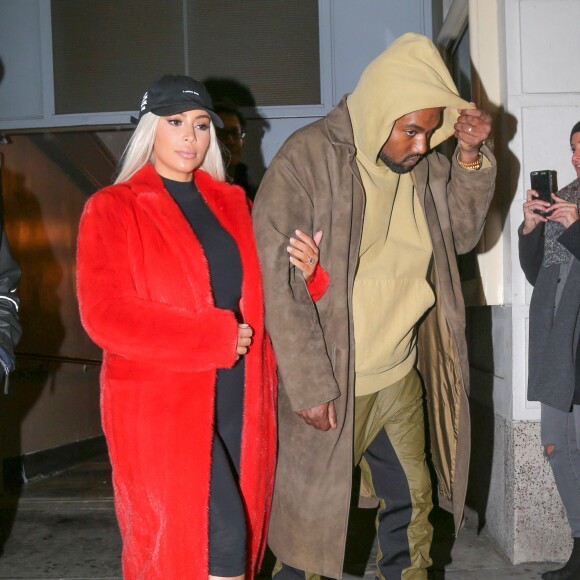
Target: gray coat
(314, 184)
(553, 374)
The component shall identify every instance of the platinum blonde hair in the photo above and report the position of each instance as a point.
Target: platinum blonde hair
(139, 151)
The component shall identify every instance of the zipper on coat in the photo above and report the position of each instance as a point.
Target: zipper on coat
(6, 377)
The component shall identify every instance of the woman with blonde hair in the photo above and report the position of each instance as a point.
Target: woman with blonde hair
(169, 286)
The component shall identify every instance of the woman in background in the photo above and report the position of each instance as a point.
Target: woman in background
(169, 286)
(550, 257)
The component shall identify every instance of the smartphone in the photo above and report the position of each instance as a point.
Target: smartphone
(545, 182)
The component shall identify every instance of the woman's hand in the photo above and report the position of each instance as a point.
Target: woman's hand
(303, 252)
(532, 219)
(564, 212)
(244, 339)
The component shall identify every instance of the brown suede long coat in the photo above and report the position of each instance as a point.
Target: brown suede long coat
(314, 184)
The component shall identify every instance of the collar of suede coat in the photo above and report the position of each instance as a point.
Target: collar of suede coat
(145, 298)
(313, 184)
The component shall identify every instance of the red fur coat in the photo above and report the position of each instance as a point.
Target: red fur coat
(145, 298)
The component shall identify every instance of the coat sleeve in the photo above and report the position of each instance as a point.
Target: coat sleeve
(319, 283)
(469, 195)
(10, 329)
(570, 239)
(531, 252)
(124, 323)
(282, 205)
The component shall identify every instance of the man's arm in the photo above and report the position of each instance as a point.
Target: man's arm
(470, 191)
(283, 205)
(469, 196)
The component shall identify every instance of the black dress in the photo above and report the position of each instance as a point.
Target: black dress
(227, 523)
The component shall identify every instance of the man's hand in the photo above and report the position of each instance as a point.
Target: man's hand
(322, 417)
(472, 128)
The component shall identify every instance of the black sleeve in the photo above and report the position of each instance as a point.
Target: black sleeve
(570, 239)
(531, 250)
(10, 329)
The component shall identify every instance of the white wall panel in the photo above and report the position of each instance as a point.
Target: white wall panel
(549, 43)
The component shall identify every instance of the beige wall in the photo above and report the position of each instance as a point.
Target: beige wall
(53, 396)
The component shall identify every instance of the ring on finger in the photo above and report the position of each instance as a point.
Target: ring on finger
(310, 260)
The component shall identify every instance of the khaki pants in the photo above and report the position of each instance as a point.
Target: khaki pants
(389, 446)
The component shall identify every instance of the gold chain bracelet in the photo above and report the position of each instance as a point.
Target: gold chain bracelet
(471, 166)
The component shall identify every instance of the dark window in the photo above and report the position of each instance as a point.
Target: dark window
(106, 52)
(270, 47)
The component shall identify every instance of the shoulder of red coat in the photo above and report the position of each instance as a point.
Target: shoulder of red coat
(112, 196)
(146, 180)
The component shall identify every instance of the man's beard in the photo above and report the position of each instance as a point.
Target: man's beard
(398, 166)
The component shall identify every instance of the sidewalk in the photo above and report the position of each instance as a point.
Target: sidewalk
(64, 527)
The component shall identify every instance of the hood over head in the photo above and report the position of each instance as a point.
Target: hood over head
(408, 76)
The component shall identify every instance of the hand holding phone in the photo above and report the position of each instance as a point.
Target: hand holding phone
(545, 182)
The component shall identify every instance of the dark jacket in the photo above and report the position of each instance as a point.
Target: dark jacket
(553, 370)
(10, 329)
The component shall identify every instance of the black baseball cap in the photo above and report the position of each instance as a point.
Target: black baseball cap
(172, 94)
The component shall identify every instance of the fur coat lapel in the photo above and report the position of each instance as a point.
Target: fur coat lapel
(228, 203)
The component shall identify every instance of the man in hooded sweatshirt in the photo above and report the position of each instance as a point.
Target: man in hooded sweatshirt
(380, 325)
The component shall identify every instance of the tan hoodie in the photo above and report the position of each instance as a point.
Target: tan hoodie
(391, 291)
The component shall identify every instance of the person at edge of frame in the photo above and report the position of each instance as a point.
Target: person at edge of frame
(10, 329)
(549, 249)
